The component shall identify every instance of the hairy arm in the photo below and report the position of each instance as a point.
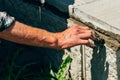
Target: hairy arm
(24, 34)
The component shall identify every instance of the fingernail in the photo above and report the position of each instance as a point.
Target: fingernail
(92, 45)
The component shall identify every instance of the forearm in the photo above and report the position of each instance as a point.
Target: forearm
(24, 34)
(27, 35)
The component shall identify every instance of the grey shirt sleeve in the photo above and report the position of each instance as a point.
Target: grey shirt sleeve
(5, 21)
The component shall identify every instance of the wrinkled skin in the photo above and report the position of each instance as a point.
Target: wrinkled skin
(75, 35)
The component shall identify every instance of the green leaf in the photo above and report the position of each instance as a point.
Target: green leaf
(53, 73)
(64, 66)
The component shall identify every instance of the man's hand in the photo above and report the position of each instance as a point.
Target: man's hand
(75, 35)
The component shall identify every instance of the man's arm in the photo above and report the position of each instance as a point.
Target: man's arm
(24, 34)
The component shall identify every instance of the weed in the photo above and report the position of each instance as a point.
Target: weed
(60, 74)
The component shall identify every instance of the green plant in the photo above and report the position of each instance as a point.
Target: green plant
(59, 75)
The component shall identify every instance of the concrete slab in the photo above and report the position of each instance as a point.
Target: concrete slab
(104, 14)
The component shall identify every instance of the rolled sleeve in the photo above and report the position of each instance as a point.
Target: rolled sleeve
(5, 21)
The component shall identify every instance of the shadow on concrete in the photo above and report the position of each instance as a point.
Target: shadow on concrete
(99, 66)
(118, 62)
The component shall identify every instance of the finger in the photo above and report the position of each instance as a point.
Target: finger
(87, 43)
(86, 31)
(83, 42)
(80, 27)
(84, 27)
(84, 35)
(90, 44)
(93, 35)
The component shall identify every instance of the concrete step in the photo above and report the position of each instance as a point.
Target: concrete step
(104, 14)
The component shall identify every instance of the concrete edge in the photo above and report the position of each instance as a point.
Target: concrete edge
(110, 42)
(94, 23)
(85, 18)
